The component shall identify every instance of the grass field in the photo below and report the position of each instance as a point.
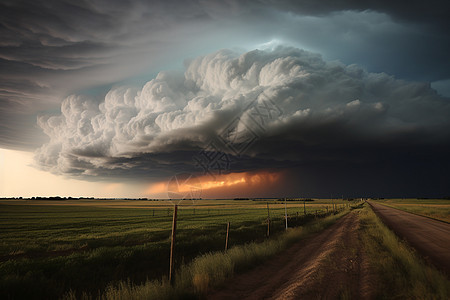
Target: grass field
(434, 208)
(51, 247)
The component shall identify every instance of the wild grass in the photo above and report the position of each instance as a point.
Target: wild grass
(211, 270)
(401, 273)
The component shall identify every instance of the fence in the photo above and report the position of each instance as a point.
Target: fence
(238, 225)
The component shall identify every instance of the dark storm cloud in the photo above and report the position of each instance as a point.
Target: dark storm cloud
(322, 114)
(50, 49)
(340, 125)
(375, 40)
(433, 12)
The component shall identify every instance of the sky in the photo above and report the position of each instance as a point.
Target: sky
(224, 98)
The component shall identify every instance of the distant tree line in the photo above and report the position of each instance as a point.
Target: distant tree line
(295, 199)
(59, 198)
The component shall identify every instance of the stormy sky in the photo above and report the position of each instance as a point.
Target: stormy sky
(257, 98)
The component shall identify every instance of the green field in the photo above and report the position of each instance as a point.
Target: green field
(434, 208)
(50, 247)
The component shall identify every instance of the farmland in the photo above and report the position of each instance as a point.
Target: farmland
(52, 247)
(119, 249)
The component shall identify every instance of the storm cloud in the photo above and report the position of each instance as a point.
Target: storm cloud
(51, 49)
(367, 98)
(287, 107)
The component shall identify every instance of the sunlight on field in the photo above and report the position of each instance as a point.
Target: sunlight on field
(51, 221)
(184, 204)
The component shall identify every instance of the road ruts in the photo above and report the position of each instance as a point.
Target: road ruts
(323, 266)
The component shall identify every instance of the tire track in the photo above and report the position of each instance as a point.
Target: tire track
(333, 257)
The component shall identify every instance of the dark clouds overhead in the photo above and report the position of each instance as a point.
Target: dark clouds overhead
(309, 112)
(433, 12)
(50, 50)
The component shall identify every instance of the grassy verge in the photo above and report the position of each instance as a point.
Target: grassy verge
(195, 279)
(438, 209)
(401, 273)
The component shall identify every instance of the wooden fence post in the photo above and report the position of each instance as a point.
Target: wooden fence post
(304, 207)
(285, 213)
(226, 241)
(268, 220)
(172, 244)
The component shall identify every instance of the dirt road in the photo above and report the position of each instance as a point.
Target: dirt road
(329, 265)
(431, 238)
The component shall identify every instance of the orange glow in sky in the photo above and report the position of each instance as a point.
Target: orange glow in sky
(189, 187)
(18, 177)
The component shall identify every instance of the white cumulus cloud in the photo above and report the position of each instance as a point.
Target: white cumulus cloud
(314, 102)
